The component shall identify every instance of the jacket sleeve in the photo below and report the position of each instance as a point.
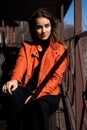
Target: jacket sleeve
(55, 81)
(20, 66)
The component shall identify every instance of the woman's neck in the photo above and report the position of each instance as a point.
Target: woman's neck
(44, 43)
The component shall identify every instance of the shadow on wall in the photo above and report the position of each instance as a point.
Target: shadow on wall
(8, 56)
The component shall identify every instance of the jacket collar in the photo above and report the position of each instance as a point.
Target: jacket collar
(52, 44)
(38, 47)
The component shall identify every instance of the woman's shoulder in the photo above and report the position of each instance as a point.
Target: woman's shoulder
(59, 45)
(62, 46)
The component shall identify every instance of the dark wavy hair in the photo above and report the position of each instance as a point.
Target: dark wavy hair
(43, 12)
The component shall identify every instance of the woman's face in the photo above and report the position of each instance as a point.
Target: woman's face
(42, 28)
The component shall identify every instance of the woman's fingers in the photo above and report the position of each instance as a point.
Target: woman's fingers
(10, 86)
(7, 88)
(4, 88)
(28, 99)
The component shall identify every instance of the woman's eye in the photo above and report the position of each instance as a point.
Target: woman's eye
(47, 25)
(38, 27)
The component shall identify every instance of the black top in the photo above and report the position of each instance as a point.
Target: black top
(32, 84)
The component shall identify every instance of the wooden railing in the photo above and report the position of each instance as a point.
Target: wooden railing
(75, 84)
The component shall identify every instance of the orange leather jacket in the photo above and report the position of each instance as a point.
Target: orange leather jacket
(28, 59)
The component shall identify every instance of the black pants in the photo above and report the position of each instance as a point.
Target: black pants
(33, 116)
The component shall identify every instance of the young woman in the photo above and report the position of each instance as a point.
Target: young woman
(35, 60)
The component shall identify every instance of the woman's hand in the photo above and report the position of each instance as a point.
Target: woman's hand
(10, 86)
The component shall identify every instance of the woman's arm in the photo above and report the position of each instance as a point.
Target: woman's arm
(17, 73)
(20, 66)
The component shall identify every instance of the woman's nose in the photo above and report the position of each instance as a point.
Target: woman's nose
(43, 29)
